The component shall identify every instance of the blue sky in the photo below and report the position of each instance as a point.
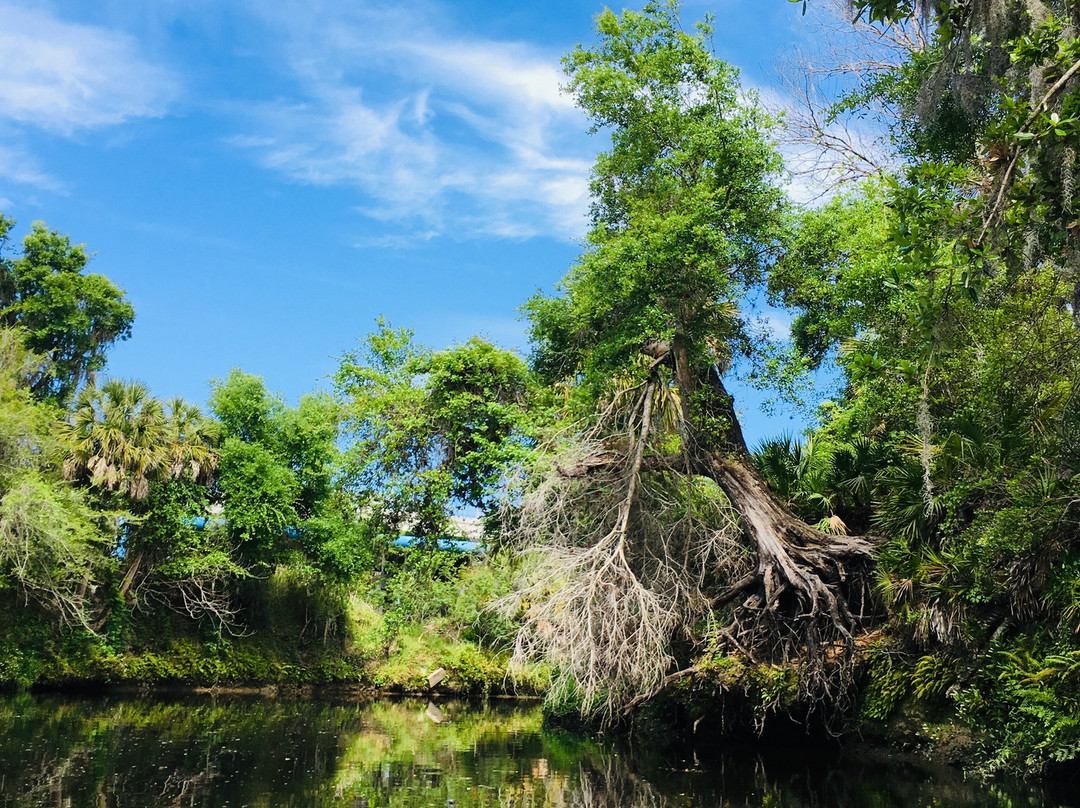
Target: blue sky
(266, 177)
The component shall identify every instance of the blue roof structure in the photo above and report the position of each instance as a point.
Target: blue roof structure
(443, 543)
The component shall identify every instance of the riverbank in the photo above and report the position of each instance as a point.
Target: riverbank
(403, 667)
(367, 651)
(730, 699)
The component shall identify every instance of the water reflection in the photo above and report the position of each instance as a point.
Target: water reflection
(117, 752)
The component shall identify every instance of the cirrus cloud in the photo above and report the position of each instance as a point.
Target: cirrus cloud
(62, 76)
(438, 132)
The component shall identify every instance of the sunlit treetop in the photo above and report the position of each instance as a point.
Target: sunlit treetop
(686, 202)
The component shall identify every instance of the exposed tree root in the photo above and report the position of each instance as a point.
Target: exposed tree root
(801, 575)
(639, 529)
(619, 557)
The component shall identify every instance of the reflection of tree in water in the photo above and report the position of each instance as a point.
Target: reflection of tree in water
(614, 785)
(199, 752)
(207, 752)
(792, 778)
(475, 757)
(803, 777)
(60, 752)
(149, 753)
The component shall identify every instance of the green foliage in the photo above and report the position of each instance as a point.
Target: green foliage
(430, 431)
(476, 611)
(831, 272)
(66, 315)
(934, 674)
(828, 483)
(260, 494)
(118, 437)
(246, 410)
(477, 397)
(50, 538)
(184, 542)
(417, 651)
(130, 449)
(305, 437)
(278, 480)
(17, 668)
(686, 207)
(423, 587)
(948, 296)
(301, 608)
(888, 683)
(963, 374)
(392, 459)
(685, 210)
(342, 549)
(1026, 700)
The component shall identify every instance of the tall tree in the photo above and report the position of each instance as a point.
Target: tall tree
(278, 478)
(259, 490)
(123, 443)
(430, 431)
(686, 217)
(68, 315)
(996, 89)
(118, 433)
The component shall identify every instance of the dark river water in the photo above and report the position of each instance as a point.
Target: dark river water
(113, 752)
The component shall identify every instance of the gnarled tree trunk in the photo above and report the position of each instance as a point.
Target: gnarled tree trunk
(798, 600)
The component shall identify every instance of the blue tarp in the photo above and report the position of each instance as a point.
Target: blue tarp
(443, 543)
(203, 522)
(449, 543)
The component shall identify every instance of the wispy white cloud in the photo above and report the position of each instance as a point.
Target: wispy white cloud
(395, 241)
(440, 132)
(62, 77)
(19, 167)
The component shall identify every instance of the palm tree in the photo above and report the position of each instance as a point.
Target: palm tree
(118, 433)
(190, 438)
(123, 440)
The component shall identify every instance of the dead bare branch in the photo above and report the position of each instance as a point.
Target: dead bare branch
(827, 146)
(619, 556)
(635, 531)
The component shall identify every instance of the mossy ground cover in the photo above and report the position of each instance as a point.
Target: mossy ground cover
(374, 638)
(64, 660)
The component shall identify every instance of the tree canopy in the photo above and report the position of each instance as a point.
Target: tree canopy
(67, 315)
(686, 207)
(430, 432)
(687, 215)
